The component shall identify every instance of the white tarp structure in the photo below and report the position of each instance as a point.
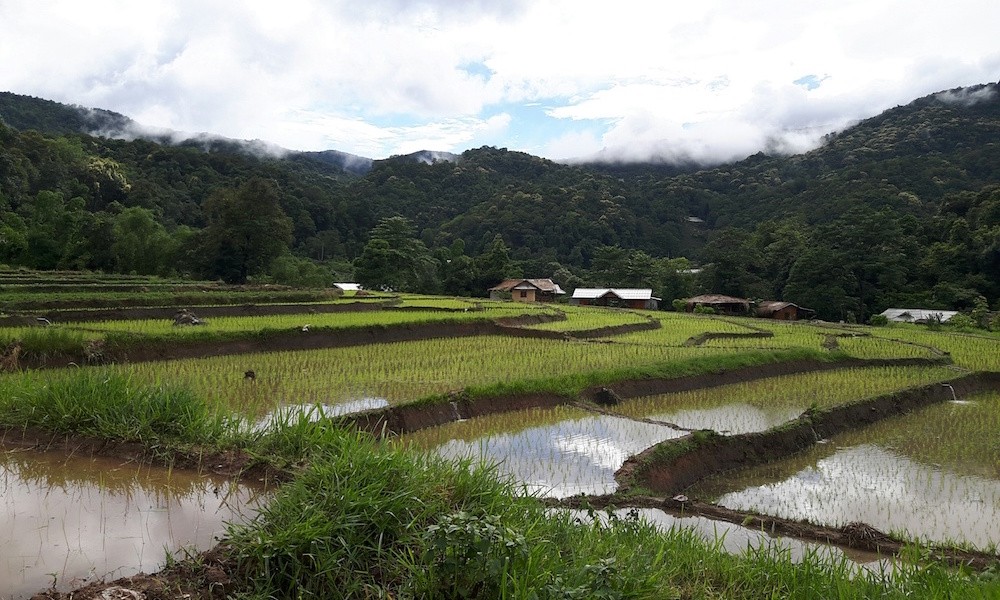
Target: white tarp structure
(917, 315)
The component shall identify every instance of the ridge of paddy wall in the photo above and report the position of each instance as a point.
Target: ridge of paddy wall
(672, 466)
(407, 418)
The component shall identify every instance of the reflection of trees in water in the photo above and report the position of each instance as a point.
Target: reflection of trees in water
(74, 474)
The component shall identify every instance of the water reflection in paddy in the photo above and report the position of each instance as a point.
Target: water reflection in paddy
(291, 413)
(555, 452)
(72, 520)
(737, 539)
(932, 475)
(760, 405)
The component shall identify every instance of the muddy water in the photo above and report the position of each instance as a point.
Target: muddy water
(556, 453)
(931, 475)
(70, 520)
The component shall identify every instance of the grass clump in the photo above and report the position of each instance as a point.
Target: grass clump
(367, 520)
(108, 405)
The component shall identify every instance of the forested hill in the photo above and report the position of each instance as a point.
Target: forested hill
(903, 208)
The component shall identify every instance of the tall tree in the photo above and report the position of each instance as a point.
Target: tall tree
(246, 229)
(394, 259)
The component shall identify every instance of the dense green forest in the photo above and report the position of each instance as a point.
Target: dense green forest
(900, 209)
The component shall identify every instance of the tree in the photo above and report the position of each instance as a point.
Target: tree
(140, 243)
(494, 265)
(246, 229)
(394, 259)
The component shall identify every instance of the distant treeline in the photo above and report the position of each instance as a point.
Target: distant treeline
(902, 209)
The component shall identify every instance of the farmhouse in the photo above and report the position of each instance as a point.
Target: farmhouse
(526, 290)
(725, 305)
(783, 311)
(917, 315)
(619, 297)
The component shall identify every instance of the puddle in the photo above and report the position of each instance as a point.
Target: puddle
(556, 453)
(68, 521)
(314, 412)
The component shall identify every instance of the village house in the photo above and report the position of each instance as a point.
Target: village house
(526, 290)
(721, 304)
(783, 311)
(617, 297)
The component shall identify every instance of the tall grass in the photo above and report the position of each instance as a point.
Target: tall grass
(371, 521)
(108, 405)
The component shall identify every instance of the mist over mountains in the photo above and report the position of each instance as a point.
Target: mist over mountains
(901, 208)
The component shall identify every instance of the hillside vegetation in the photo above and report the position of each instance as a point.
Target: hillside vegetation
(900, 209)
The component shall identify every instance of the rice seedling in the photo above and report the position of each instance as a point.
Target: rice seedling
(677, 328)
(399, 372)
(931, 476)
(582, 319)
(760, 405)
(557, 452)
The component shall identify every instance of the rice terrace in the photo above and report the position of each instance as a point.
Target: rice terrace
(178, 439)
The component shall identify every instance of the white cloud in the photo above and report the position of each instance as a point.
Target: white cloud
(709, 80)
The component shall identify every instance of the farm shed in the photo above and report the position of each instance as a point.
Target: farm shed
(917, 315)
(619, 297)
(783, 311)
(348, 287)
(726, 305)
(526, 290)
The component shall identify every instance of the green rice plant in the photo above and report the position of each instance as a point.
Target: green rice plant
(974, 352)
(930, 476)
(407, 371)
(677, 328)
(586, 318)
(760, 405)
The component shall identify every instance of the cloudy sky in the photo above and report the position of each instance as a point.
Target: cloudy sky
(694, 79)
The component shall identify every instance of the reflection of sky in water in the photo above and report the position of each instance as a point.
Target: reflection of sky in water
(312, 412)
(730, 419)
(574, 456)
(80, 519)
(736, 539)
(889, 492)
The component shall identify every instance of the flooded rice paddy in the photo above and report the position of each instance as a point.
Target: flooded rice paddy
(933, 475)
(70, 520)
(568, 451)
(555, 452)
(737, 539)
(760, 405)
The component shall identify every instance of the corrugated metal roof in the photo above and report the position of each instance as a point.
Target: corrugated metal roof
(348, 287)
(621, 293)
(902, 315)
